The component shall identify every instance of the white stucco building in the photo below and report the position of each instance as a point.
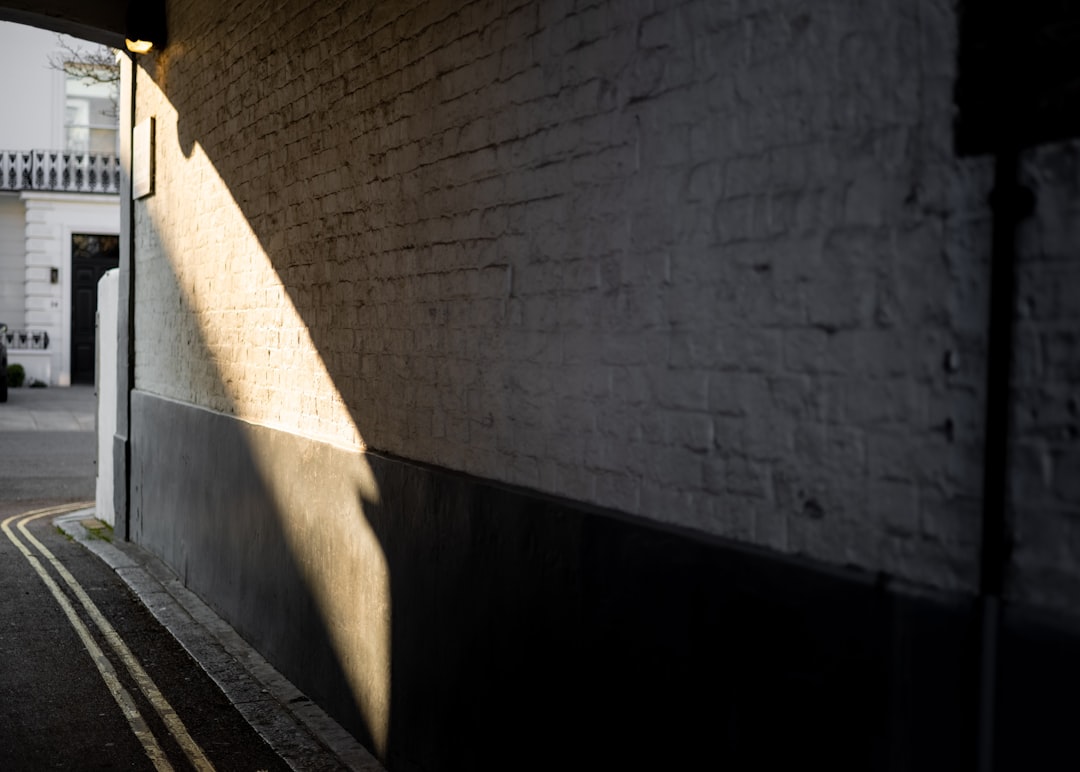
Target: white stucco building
(59, 208)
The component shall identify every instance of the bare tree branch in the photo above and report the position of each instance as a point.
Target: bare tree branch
(94, 63)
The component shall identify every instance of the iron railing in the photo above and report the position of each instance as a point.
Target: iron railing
(26, 339)
(67, 171)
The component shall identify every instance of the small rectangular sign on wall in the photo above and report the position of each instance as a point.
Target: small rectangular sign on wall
(142, 159)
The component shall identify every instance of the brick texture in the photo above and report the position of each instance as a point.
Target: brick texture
(1044, 480)
(715, 264)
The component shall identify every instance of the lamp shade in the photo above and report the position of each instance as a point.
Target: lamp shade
(146, 27)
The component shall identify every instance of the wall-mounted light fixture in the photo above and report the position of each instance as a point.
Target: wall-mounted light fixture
(146, 29)
(139, 46)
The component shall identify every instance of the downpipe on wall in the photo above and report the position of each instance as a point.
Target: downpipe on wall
(1010, 203)
(125, 344)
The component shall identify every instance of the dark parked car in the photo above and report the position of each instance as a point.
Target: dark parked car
(3, 363)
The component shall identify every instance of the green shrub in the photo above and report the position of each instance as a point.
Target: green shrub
(15, 376)
(36, 384)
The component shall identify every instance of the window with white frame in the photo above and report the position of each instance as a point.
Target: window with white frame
(91, 119)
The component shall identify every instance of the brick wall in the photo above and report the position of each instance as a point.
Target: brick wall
(1045, 435)
(711, 263)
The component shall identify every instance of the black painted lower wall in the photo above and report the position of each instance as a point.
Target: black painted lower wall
(532, 633)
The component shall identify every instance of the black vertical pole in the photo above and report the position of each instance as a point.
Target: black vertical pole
(1010, 203)
(125, 344)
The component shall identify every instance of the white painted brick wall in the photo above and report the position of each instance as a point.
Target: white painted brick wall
(1045, 438)
(711, 263)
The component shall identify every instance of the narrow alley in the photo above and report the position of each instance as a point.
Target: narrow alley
(89, 678)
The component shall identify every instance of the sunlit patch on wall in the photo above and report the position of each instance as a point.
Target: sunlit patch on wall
(217, 329)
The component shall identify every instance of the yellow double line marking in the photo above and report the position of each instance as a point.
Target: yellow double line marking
(108, 673)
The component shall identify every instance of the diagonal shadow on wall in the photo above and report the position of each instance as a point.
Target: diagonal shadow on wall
(521, 631)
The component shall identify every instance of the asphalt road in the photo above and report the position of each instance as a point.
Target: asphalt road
(58, 710)
(70, 698)
(47, 445)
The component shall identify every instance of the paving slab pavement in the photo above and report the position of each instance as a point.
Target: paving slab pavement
(48, 444)
(52, 409)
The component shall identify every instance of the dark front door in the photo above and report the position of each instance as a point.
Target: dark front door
(91, 256)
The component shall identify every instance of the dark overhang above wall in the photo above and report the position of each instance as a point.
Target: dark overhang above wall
(99, 20)
(1019, 73)
(1018, 82)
